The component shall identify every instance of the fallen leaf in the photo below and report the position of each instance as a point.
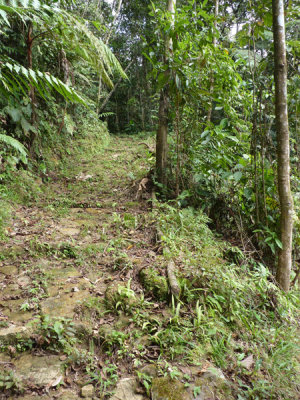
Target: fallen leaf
(205, 367)
(56, 382)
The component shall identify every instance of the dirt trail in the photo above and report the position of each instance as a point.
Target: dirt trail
(85, 233)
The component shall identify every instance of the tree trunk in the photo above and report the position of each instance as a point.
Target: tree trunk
(29, 45)
(212, 80)
(162, 130)
(283, 147)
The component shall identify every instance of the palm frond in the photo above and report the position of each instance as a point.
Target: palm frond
(93, 50)
(15, 79)
(20, 8)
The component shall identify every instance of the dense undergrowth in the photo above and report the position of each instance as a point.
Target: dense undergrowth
(231, 309)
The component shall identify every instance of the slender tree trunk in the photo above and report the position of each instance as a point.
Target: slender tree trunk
(212, 80)
(162, 131)
(29, 44)
(177, 131)
(117, 118)
(254, 126)
(283, 147)
(263, 150)
(66, 69)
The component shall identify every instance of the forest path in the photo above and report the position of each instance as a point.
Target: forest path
(84, 233)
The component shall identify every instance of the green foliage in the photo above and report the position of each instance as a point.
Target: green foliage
(56, 334)
(16, 145)
(8, 382)
(231, 305)
(104, 380)
(94, 51)
(16, 80)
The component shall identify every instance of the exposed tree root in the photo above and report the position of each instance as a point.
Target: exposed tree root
(173, 283)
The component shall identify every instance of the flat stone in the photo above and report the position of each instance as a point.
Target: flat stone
(67, 395)
(93, 211)
(4, 358)
(150, 370)
(11, 291)
(64, 304)
(76, 210)
(9, 270)
(214, 374)
(9, 334)
(39, 371)
(126, 390)
(213, 384)
(248, 362)
(23, 281)
(87, 391)
(33, 396)
(69, 231)
(19, 316)
(63, 273)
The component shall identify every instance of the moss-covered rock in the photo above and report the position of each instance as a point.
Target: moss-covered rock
(12, 333)
(119, 296)
(168, 389)
(154, 283)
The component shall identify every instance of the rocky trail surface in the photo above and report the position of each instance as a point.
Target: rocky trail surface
(83, 314)
(81, 238)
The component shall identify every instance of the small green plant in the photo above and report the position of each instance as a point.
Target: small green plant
(145, 380)
(125, 298)
(175, 319)
(126, 292)
(270, 238)
(8, 381)
(116, 341)
(57, 334)
(25, 307)
(198, 319)
(122, 261)
(220, 349)
(105, 379)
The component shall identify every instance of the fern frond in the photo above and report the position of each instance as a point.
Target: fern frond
(106, 114)
(16, 145)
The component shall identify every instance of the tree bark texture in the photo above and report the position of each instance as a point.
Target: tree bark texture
(212, 80)
(283, 147)
(29, 44)
(162, 130)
